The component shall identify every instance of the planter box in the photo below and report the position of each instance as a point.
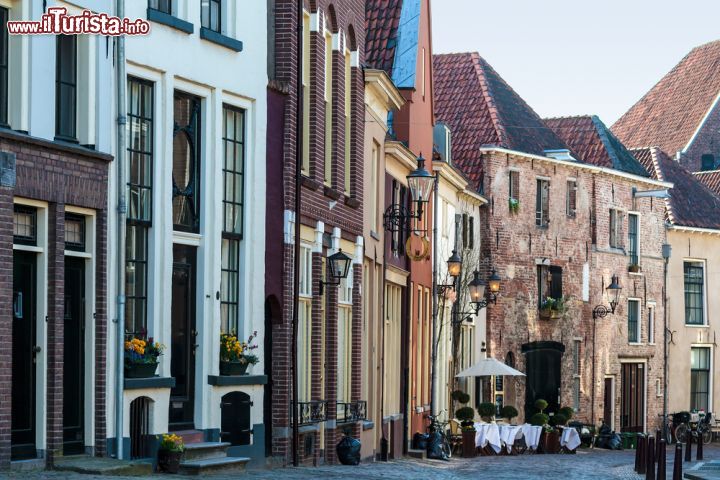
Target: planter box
(550, 442)
(169, 462)
(233, 368)
(549, 314)
(468, 444)
(140, 370)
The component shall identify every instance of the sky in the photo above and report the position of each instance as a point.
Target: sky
(574, 57)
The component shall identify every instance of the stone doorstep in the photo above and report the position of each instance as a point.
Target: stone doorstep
(27, 465)
(202, 450)
(704, 471)
(86, 464)
(217, 464)
(415, 453)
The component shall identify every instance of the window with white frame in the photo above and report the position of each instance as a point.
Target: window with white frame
(348, 120)
(66, 88)
(344, 346)
(700, 378)
(328, 109)
(304, 345)
(306, 95)
(633, 320)
(542, 203)
(634, 238)
(374, 186)
(694, 293)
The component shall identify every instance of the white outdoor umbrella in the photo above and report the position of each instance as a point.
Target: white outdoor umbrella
(488, 367)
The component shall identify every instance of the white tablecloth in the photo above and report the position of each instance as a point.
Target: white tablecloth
(532, 435)
(508, 435)
(488, 433)
(570, 438)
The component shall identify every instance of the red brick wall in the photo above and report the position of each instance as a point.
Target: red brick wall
(513, 244)
(6, 280)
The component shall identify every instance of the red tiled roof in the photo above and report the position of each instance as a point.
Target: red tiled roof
(482, 109)
(691, 203)
(382, 18)
(672, 110)
(711, 179)
(592, 142)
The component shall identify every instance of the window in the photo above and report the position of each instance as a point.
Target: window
(233, 170)
(24, 225)
(576, 374)
(328, 110)
(165, 6)
(549, 283)
(186, 163)
(542, 203)
(74, 232)
(571, 198)
(616, 228)
(4, 61)
(700, 378)
(374, 184)
(139, 217)
(471, 232)
(694, 293)
(306, 96)
(229, 285)
(66, 88)
(348, 120)
(633, 323)
(140, 149)
(344, 346)
(651, 323)
(514, 185)
(304, 346)
(707, 162)
(211, 14)
(634, 238)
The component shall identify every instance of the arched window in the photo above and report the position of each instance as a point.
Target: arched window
(510, 359)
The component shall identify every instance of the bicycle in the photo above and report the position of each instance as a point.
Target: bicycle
(681, 426)
(436, 428)
(703, 430)
(666, 429)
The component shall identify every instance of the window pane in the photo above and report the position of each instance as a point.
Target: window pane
(3, 67)
(694, 286)
(140, 150)
(633, 306)
(186, 163)
(229, 285)
(233, 170)
(136, 280)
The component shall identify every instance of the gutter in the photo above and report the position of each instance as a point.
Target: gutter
(121, 233)
(706, 231)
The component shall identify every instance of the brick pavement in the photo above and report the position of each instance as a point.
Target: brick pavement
(587, 464)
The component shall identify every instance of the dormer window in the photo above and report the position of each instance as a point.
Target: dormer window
(707, 162)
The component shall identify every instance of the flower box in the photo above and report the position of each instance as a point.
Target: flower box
(169, 461)
(233, 368)
(140, 370)
(549, 314)
(469, 450)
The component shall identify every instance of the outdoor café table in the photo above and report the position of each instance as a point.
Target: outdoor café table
(570, 439)
(488, 433)
(508, 435)
(532, 435)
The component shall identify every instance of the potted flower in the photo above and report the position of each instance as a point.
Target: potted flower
(552, 308)
(141, 357)
(235, 356)
(634, 268)
(170, 453)
(514, 204)
(486, 410)
(509, 412)
(466, 415)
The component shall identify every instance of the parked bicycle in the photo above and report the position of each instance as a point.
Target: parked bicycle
(684, 425)
(438, 445)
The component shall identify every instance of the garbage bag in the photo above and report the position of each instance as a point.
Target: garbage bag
(420, 441)
(348, 450)
(615, 442)
(435, 446)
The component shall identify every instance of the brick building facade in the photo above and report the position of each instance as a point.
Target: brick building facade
(331, 218)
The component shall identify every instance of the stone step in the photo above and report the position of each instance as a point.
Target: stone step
(191, 436)
(86, 464)
(214, 465)
(415, 453)
(201, 450)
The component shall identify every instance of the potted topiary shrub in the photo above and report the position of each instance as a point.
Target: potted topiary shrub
(460, 397)
(509, 412)
(569, 412)
(541, 405)
(539, 420)
(466, 415)
(170, 453)
(558, 420)
(486, 410)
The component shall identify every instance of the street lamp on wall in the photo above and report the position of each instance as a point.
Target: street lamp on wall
(420, 183)
(613, 290)
(338, 268)
(477, 289)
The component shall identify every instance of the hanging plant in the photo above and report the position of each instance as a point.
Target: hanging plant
(514, 204)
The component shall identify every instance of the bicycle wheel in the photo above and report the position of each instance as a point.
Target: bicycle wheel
(681, 433)
(667, 432)
(706, 436)
(446, 448)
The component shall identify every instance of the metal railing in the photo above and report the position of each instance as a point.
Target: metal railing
(312, 412)
(352, 411)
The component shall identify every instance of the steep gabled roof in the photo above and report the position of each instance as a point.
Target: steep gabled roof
(691, 204)
(592, 142)
(382, 18)
(711, 179)
(670, 113)
(482, 109)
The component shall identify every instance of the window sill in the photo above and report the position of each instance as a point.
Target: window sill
(368, 425)
(308, 182)
(220, 39)
(225, 380)
(351, 202)
(635, 274)
(169, 20)
(635, 344)
(151, 382)
(687, 325)
(375, 235)
(332, 193)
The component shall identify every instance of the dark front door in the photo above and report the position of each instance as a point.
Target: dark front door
(184, 336)
(632, 398)
(23, 358)
(542, 360)
(73, 357)
(608, 402)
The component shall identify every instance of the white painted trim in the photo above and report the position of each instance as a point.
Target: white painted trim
(701, 125)
(30, 202)
(76, 254)
(578, 165)
(681, 228)
(28, 248)
(319, 232)
(185, 238)
(712, 369)
(706, 320)
(639, 320)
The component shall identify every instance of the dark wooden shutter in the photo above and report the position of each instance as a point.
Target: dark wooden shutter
(514, 185)
(556, 282)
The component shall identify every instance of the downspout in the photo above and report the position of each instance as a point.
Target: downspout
(296, 245)
(666, 252)
(121, 221)
(433, 380)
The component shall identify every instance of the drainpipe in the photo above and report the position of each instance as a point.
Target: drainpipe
(433, 380)
(121, 219)
(666, 252)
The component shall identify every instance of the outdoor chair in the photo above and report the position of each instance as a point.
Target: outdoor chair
(455, 436)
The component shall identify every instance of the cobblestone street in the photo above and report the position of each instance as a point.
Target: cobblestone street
(587, 464)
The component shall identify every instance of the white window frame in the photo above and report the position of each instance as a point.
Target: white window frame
(639, 320)
(651, 323)
(711, 385)
(304, 345)
(705, 299)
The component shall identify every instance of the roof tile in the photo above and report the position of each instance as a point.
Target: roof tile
(382, 18)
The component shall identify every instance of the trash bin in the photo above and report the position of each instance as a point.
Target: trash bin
(632, 440)
(626, 440)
